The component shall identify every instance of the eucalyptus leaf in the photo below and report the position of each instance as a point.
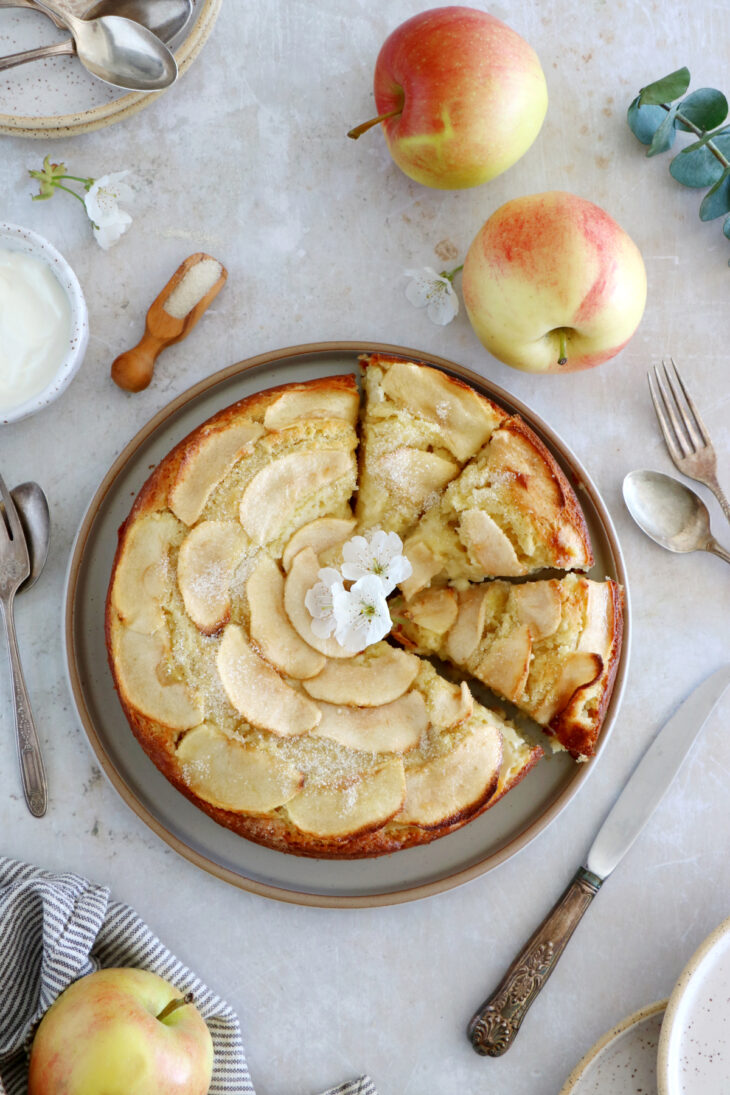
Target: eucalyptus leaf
(665, 134)
(645, 120)
(717, 200)
(665, 90)
(705, 108)
(698, 167)
(703, 140)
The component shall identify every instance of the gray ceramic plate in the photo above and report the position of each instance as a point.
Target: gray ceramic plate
(624, 1061)
(404, 876)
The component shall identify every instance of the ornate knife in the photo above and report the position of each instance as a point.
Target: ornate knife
(494, 1026)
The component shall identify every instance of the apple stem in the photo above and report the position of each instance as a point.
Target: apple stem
(179, 1002)
(563, 359)
(360, 129)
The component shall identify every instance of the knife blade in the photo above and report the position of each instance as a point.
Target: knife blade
(495, 1024)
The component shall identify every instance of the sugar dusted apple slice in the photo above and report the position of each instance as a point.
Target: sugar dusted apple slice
(204, 467)
(257, 691)
(304, 404)
(378, 676)
(233, 776)
(395, 727)
(505, 666)
(270, 627)
(580, 669)
(434, 609)
(140, 670)
(466, 634)
(426, 565)
(300, 579)
(453, 787)
(353, 809)
(142, 576)
(414, 473)
(538, 605)
(275, 492)
(319, 535)
(466, 420)
(451, 704)
(206, 563)
(487, 545)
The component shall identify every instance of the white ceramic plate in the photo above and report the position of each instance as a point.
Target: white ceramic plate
(416, 872)
(694, 1048)
(624, 1061)
(57, 97)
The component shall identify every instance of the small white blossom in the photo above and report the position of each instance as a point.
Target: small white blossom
(102, 205)
(380, 555)
(320, 601)
(434, 292)
(361, 613)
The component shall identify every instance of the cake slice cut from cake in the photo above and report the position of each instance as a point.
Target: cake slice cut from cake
(511, 512)
(419, 427)
(550, 647)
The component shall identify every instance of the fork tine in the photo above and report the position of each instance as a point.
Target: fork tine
(674, 450)
(16, 529)
(690, 403)
(685, 417)
(683, 440)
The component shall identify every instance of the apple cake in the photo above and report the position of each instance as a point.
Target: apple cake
(271, 725)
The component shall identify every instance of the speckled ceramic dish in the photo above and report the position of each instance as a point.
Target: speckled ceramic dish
(16, 238)
(694, 1047)
(57, 97)
(417, 872)
(622, 1062)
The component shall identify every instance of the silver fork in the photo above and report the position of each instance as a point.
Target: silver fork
(14, 569)
(685, 434)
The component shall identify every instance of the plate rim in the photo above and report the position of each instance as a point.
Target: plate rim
(292, 896)
(97, 117)
(681, 986)
(606, 1039)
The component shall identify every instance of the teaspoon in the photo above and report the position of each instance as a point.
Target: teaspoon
(32, 506)
(118, 51)
(165, 18)
(670, 513)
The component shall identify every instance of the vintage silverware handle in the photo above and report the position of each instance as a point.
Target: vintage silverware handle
(720, 495)
(32, 771)
(718, 549)
(29, 4)
(494, 1026)
(59, 49)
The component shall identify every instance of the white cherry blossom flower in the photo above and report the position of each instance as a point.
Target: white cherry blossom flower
(434, 292)
(381, 555)
(102, 205)
(362, 614)
(320, 600)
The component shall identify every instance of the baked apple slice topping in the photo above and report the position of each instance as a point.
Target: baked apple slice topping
(233, 776)
(353, 809)
(417, 475)
(275, 493)
(257, 691)
(505, 666)
(377, 676)
(466, 634)
(141, 676)
(451, 704)
(206, 563)
(319, 535)
(302, 576)
(434, 609)
(203, 468)
(395, 727)
(487, 546)
(142, 577)
(270, 627)
(538, 605)
(303, 404)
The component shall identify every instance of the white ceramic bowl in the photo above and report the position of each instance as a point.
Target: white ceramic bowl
(694, 1044)
(13, 237)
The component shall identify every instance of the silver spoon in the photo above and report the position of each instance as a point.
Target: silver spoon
(117, 50)
(670, 513)
(32, 506)
(165, 18)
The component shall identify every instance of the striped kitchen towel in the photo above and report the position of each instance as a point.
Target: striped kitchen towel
(55, 928)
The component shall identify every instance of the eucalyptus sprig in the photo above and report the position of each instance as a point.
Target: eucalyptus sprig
(656, 114)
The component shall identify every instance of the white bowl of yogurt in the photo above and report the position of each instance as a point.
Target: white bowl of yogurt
(44, 325)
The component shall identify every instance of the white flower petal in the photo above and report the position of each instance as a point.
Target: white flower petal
(362, 614)
(443, 306)
(423, 285)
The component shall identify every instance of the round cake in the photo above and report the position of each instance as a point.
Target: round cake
(340, 747)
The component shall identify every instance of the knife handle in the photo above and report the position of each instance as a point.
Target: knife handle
(494, 1026)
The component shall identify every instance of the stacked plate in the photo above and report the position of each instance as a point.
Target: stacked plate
(680, 1046)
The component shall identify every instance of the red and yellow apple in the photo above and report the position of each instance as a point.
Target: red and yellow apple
(121, 1032)
(552, 284)
(461, 97)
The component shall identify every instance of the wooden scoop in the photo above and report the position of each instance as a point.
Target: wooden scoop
(133, 369)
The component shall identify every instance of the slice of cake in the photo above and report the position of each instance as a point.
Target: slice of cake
(511, 512)
(550, 647)
(419, 428)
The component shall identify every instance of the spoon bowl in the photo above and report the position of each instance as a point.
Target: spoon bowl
(32, 506)
(671, 514)
(165, 18)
